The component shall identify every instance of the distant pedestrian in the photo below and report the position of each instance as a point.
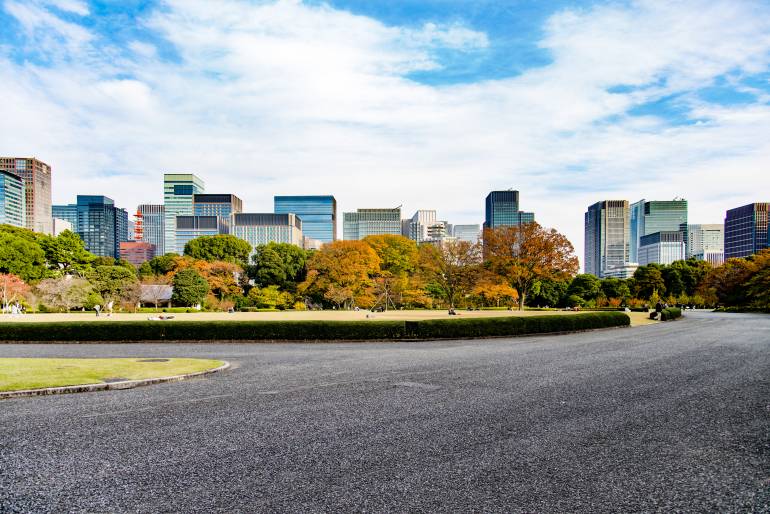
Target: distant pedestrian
(97, 308)
(109, 308)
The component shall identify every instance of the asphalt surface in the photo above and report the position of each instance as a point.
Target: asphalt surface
(667, 417)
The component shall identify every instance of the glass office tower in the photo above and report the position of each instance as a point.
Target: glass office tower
(607, 237)
(97, 221)
(216, 205)
(153, 225)
(318, 214)
(12, 200)
(37, 190)
(178, 192)
(502, 210)
(649, 217)
(371, 222)
(746, 230)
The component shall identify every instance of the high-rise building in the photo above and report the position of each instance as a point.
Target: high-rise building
(470, 233)
(12, 200)
(318, 214)
(216, 205)
(648, 217)
(662, 248)
(607, 237)
(502, 210)
(191, 227)
(706, 243)
(37, 190)
(97, 221)
(137, 252)
(178, 192)
(746, 230)
(150, 226)
(262, 228)
(416, 227)
(371, 222)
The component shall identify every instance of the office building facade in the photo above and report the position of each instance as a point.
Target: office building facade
(502, 210)
(222, 205)
(318, 214)
(371, 222)
(97, 221)
(150, 223)
(470, 233)
(13, 208)
(746, 230)
(662, 248)
(136, 252)
(179, 190)
(706, 243)
(416, 228)
(607, 237)
(37, 190)
(649, 217)
(191, 227)
(263, 228)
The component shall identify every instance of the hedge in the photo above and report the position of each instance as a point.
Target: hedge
(79, 331)
(670, 313)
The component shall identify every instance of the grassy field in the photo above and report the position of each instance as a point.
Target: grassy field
(20, 374)
(637, 318)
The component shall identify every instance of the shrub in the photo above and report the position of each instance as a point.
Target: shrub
(670, 313)
(308, 330)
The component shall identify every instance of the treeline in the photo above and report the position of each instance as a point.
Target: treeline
(516, 266)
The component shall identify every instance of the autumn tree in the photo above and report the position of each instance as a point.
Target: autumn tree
(398, 261)
(493, 290)
(528, 253)
(65, 292)
(12, 288)
(450, 268)
(342, 264)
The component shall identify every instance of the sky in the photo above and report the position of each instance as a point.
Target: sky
(428, 104)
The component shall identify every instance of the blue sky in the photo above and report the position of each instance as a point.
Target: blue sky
(429, 104)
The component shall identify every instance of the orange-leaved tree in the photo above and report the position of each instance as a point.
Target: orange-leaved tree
(528, 253)
(12, 288)
(450, 268)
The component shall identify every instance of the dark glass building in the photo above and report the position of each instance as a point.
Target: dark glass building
(97, 221)
(216, 205)
(746, 230)
(502, 210)
(318, 214)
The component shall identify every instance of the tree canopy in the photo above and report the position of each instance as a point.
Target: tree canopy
(222, 247)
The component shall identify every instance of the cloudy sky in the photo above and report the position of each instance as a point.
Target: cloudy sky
(426, 103)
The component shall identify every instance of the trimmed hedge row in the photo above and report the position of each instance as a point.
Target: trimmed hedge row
(670, 313)
(306, 330)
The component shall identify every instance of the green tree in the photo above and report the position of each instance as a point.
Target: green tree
(190, 288)
(114, 283)
(672, 277)
(648, 279)
(615, 288)
(21, 254)
(550, 293)
(162, 264)
(585, 286)
(279, 264)
(222, 247)
(270, 297)
(67, 254)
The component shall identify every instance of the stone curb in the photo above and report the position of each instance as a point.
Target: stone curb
(126, 384)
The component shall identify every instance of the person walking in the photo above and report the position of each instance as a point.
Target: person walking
(109, 308)
(97, 308)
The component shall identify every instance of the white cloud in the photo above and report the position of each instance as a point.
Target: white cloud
(284, 98)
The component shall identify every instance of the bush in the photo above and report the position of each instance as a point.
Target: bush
(670, 313)
(308, 330)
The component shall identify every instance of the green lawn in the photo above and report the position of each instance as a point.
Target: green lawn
(20, 374)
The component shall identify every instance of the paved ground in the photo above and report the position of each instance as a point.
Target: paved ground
(637, 318)
(666, 417)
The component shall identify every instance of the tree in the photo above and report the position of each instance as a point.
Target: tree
(728, 281)
(344, 264)
(21, 254)
(548, 293)
(648, 280)
(190, 288)
(398, 254)
(493, 292)
(12, 288)
(161, 265)
(528, 253)
(114, 283)
(451, 268)
(280, 264)
(270, 297)
(223, 278)
(615, 288)
(65, 292)
(585, 286)
(673, 280)
(222, 247)
(67, 254)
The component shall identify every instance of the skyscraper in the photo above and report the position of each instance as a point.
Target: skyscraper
(707, 243)
(502, 209)
(663, 247)
(151, 218)
(648, 217)
(12, 200)
(318, 214)
(607, 237)
(37, 190)
(262, 228)
(97, 221)
(746, 230)
(371, 222)
(178, 192)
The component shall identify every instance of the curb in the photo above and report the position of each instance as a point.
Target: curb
(125, 384)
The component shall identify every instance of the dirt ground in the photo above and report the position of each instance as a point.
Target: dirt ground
(637, 318)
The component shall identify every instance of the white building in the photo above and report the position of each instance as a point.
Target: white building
(262, 228)
(416, 228)
(371, 222)
(661, 248)
(707, 243)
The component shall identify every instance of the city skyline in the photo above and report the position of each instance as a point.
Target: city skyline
(569, 102)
